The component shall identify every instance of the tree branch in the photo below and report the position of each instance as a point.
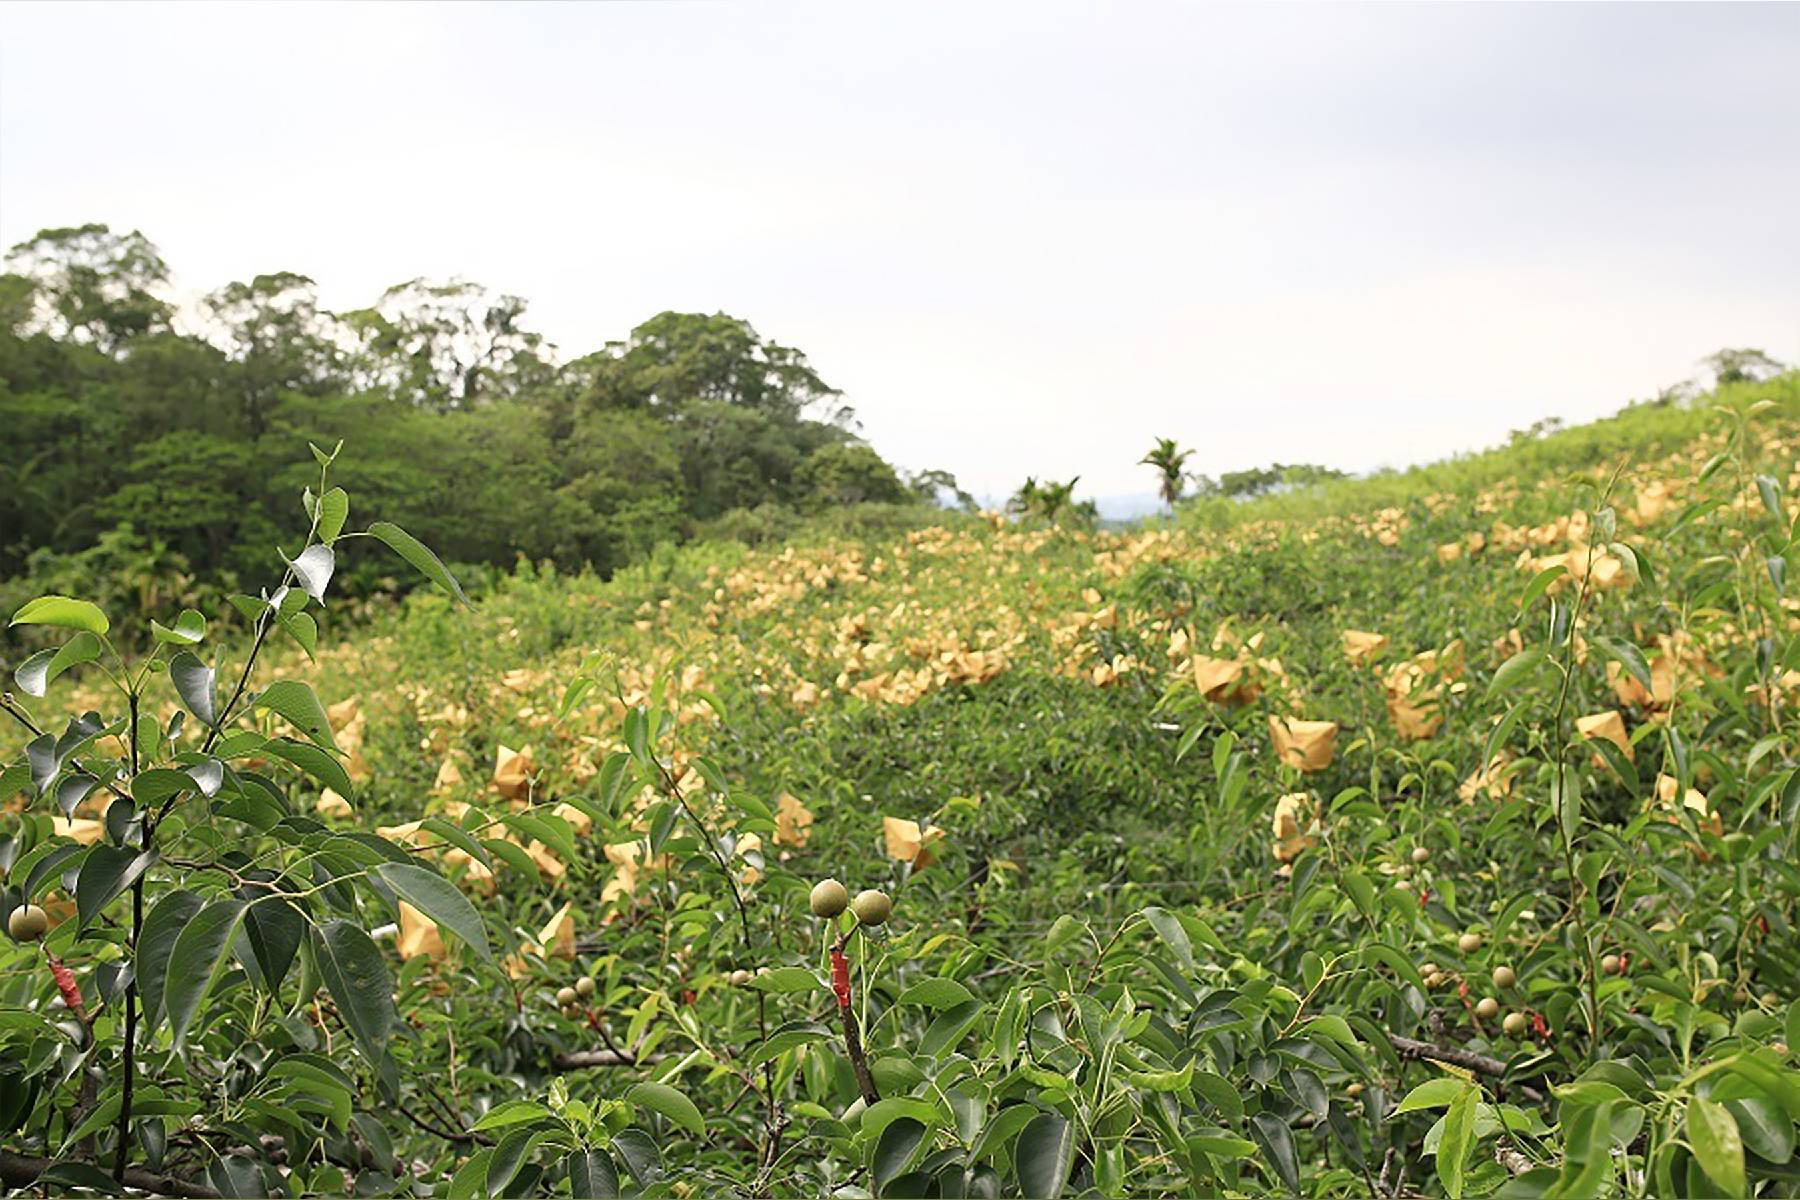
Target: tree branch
(23, 1170)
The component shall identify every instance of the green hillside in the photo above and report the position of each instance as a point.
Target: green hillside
(1426, 834)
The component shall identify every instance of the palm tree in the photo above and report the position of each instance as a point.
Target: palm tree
(1046, 500)
(1168, 459)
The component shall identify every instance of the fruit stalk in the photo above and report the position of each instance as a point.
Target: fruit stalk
(840, 983)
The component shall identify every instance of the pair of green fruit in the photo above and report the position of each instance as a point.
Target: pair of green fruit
(28, 923)
(872, 907)
(567, 997)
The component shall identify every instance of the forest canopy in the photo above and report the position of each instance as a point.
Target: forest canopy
(151, 434)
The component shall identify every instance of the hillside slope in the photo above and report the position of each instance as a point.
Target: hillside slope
(1227, 857)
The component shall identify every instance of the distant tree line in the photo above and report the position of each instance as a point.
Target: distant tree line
(178, 435)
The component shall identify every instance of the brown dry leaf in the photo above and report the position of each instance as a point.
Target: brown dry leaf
(558, 937)
(477, 877)
(553, 867)
(1695, 801)
(342, 713)
(418, 934)
(1307, 745)
(83, 831)
(1222, 680)
(513, 770)
(1449, 552)
(624, 857)
(793, 821)
(1292, 827)
(1413, 721)
(448, 776)
(749, 844)
(408, 834)
(1608, 725)
(1494, 779)
(1361, 647)
(906, 842)
(1666, 787)
(333, 805)
(579, 821)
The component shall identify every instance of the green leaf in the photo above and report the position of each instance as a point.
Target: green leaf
(106, 872)
(1043, 1156)
(438, 899)
(1168, 927)
(156, 944)
(1767, 1132)
(314, 761)
(188, 630)
(661, 1098)
(1629, 656)
(1433, 1093)
(35, 675)
(936, 993)
(199, 955)
(458, 837)
(1565, 797)
(949, 1029)
(786, 980)
(592, 1175)
(415, 552)
(1277, 1142)
(359, 982)
(333, 511)
(1770, 492)
(895, 1148)
(63, 613)
(297, 703)
(313, 568)
(151, 788)
(795, 1033)
(1515, 670)
(1540, 583)
(194, 683)
(1713, 1133)
(1001, 1128)
(512, 1112)
(1453, 1146)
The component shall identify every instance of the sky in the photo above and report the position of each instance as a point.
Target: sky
(1023, 238)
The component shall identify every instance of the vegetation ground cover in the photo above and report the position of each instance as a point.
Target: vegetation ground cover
(1426, 835)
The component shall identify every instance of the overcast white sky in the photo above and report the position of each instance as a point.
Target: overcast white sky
(1024, 238)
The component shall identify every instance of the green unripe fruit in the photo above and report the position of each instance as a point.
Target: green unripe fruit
(1488, 1008)
(1610, 964)
(584, 987)
(829, 898)
(872, 907)
(28, 923)
(739, 977)
(1504, 977)
(1469, 943)
(565, 997)
(1420, 854)
(1514, 1024)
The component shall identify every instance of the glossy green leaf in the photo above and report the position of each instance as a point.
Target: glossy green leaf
(63, 612)
(1043, 1155)
(415, 552)
(438, 899)
(357, 978)
(661, 1098)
